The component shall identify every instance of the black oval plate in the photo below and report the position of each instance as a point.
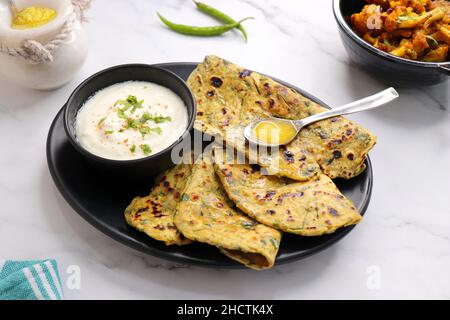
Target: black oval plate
(101, 200)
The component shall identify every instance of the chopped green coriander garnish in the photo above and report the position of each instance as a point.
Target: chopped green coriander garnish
(139, 124)
(100, 122)
(274, 243)
(406, 17)
(146, 130)
(130, 102)
(159, 119)
(155, 118)
(145, 149)
(432, 42)
(133, 109)
(121, 114)
(133, 148)
(108, 131)
(248, 224)
(145, 117)
(158, 130)
(131, 123)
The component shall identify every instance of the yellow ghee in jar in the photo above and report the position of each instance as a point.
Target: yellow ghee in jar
(275, 131)
(32, 17)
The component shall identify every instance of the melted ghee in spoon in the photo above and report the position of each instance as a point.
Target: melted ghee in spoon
(32, 17)
(274, 131)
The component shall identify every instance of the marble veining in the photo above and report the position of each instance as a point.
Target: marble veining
(400, 250)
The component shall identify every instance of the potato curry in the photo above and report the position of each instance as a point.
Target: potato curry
(411, 29)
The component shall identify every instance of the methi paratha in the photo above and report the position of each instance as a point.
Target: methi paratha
(154, 214)
(207, 215)
(308, 208)
(230, 97)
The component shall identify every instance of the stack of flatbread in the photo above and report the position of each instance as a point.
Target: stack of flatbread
(238, 207)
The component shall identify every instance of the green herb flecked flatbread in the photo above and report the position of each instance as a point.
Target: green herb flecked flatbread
(154, 214)
(307, 208)
(230, 97)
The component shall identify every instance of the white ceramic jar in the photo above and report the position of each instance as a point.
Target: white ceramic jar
(67, 58)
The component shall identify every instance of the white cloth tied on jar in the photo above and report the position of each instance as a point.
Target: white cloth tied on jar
(48, 56)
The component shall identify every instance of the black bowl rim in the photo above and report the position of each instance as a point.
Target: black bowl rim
(93, 77)
(441, 66)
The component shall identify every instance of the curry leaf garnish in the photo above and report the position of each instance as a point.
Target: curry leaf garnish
(133, 148)
(131, 123)
(144, 130)
(108, 131)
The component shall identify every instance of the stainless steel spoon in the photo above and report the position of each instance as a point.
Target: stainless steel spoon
(367, 103)
(13, 7)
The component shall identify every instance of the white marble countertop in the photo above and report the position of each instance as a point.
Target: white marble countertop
(400, 250)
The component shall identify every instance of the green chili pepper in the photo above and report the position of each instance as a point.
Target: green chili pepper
(213, 12)
(201, 31)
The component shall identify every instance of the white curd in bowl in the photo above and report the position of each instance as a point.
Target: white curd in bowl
(131, 120)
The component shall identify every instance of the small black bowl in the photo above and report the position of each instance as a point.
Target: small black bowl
(145, 167)
(391, 69)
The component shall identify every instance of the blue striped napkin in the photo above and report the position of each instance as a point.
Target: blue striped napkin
(30, 280)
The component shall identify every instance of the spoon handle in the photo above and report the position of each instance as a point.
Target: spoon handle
(367, 103)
